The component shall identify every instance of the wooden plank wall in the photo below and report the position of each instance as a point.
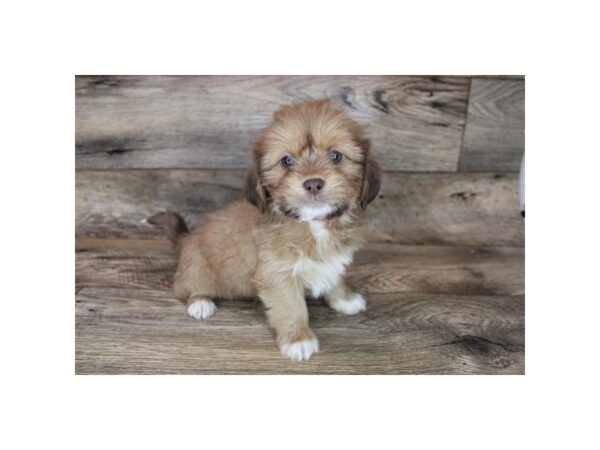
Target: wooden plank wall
(495, 133)
(450, 148)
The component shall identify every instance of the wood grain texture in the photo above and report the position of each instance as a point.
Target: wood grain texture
(132, 331)
(495, 132)
(415, 123)
(377, 268)
(478, 209)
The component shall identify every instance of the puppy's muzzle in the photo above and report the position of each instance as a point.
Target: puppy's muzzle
(313, 185)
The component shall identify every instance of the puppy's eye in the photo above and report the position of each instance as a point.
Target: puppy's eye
(287, 161)
(335, 156)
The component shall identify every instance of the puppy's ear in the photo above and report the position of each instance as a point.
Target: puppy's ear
(253, 189)
(371, 182)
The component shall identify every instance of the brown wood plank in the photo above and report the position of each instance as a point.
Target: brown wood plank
(412, 208)
(415, 123)
(85, 244)
(129, 331)
(495, 132)
(378, 268)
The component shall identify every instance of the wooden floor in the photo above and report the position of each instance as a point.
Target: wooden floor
(431, 310)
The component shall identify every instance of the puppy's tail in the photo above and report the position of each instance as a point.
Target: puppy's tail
(172, 223)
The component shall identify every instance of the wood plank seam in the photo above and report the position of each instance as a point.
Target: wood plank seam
(461, 155)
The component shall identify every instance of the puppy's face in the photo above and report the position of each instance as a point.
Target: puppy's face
(312, 162)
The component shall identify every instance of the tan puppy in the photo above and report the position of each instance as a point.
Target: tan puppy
(307, 192)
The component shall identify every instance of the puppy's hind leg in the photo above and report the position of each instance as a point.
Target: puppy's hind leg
(193, 279)
(195, 285)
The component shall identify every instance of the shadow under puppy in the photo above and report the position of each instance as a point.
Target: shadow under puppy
(307, 191)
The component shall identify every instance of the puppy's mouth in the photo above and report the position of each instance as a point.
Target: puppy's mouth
(315, 211)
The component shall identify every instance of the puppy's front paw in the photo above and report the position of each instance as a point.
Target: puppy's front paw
(201, 309)
(301, 348)
(353, 305)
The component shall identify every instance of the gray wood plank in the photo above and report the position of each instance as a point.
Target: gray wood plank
(478, 209)
(415, 123)
(129, 331)
(377, 268)
(495, 131)
(498, 77)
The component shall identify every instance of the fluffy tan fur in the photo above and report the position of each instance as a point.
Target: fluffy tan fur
(285, 242)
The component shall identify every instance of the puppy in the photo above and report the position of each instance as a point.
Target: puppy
(311, 180)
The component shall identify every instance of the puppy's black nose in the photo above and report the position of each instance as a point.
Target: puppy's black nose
(314, 185)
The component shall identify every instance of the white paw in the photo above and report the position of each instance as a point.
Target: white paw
(201, 309)
(355, 304)
(300, 350)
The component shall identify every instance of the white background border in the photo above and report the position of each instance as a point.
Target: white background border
(44, 44)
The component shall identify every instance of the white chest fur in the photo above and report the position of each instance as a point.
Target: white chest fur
(321, 275)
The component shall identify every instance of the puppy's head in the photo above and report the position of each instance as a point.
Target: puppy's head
(312, 162)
